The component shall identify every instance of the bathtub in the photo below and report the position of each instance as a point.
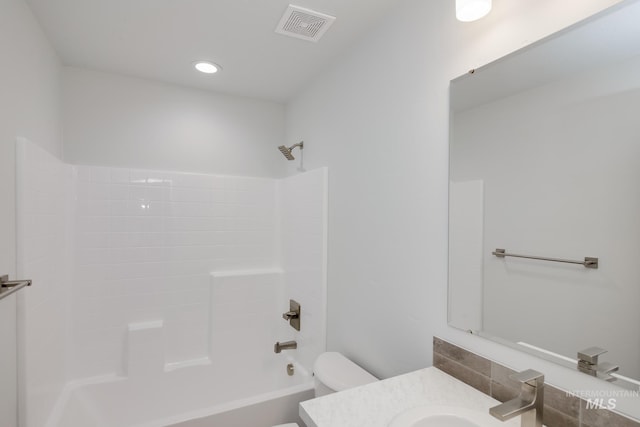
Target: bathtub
(237, 381)
(197, 396)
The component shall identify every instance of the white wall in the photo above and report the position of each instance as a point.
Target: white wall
(113, 120)
(8, 361)
(379, 120)
(367, 119)
(29, 73)
(29, 106)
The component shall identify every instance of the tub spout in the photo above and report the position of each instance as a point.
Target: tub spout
(288, 345)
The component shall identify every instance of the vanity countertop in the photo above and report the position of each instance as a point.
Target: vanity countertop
(376, 404)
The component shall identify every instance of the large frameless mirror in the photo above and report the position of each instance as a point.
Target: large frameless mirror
(545, 197)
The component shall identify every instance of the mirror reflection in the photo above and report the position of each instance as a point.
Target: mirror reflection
(545, 163)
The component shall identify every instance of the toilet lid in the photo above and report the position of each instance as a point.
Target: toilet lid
(339, 373)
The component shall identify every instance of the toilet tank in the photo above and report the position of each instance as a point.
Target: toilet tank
(334, 372)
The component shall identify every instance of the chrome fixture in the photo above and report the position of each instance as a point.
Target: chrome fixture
(589, 262)
(529, 403)
(8, 287)
(290, 369)
(293, 315)
(588, 363)
(287, 151)
(288, 345)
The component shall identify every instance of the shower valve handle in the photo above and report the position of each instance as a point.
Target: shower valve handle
(290, 315)
(293, 315)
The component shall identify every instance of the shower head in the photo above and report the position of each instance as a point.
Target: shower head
(287, 151)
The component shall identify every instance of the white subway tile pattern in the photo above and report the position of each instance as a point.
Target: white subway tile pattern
(146, 243)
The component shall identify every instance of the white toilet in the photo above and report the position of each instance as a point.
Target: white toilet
(333, 372)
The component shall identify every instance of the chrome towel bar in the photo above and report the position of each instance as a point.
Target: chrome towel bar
(8, 287)
(589, 262)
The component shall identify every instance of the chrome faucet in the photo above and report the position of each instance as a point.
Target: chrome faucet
(589, 364)
(288, 345)
(529, 403)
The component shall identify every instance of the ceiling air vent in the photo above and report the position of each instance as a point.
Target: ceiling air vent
(304, 23)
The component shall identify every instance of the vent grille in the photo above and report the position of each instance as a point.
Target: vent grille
(304, 23)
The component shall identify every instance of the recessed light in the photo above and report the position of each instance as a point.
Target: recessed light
(471, 10)
(207, 67)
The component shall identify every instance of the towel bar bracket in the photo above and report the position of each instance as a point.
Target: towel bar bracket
(8, 287)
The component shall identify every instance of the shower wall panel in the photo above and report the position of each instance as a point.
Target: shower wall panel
(44, 211)
(303, 218)
(146, 244)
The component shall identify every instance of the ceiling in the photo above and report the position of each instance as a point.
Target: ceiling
(160, 39)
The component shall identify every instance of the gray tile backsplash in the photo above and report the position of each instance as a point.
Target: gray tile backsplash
(463, 373)
(469, 360)
(603, 418)
(560, 409)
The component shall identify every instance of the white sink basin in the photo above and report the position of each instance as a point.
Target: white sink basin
(443, 416)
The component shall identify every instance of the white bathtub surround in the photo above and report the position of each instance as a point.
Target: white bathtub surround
(239, 369)
(145, 349)
(376, 404)
(44, 211)
(245, 320)
(146, 245)
(303, 230)
(147, 242)
(174, 295)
